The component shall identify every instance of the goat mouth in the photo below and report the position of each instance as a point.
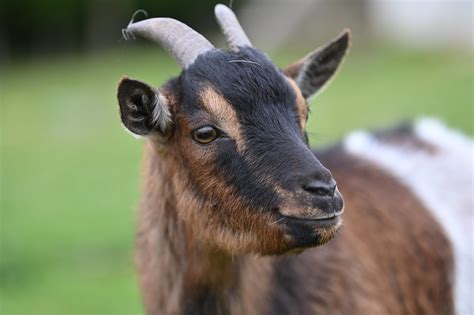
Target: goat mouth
(328, 221)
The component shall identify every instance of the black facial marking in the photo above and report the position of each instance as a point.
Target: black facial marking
(239, 173)
(265, 105)
(247, 79)
(303, 236)
(276, 150)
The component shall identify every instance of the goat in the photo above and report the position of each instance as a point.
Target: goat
(235, 203)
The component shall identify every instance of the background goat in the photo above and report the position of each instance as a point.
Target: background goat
(229, 178)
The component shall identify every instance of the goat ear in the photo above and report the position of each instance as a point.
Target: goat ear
(143, 110)
(313, 71)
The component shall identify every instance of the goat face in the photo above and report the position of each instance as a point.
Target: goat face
(230, 130)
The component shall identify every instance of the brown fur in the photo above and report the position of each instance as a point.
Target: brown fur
(390, 257)
(224, 113)
(301, 105)
(293, 70)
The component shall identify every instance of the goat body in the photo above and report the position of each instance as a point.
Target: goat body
(391, 257)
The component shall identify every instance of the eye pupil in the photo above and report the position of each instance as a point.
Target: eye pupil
(205, 134)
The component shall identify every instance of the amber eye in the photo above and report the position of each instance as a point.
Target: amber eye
(205, 134)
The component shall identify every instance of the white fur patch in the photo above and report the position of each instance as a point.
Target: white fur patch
(161, 116)
(442, 180)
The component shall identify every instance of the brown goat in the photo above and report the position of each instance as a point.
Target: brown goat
(235, 202)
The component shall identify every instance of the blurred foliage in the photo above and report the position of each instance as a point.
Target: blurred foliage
(70, 173)
(49, 26)
(60, 11)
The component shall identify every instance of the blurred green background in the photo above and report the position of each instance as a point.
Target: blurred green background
(70, 173)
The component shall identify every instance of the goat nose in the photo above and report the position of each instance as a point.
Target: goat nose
(321, 188)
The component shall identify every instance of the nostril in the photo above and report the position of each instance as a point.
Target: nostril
(321, 188)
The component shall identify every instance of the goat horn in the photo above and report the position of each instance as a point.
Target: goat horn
(230, 26)
(182, 42)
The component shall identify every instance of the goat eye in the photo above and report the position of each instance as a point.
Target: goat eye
(205, 134)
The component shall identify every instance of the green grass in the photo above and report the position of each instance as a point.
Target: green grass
(70, 174)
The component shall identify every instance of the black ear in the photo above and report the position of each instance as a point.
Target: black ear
(143, 110)
(313, 71)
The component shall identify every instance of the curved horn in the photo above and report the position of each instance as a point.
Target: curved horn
(181, 41)
(230, 26)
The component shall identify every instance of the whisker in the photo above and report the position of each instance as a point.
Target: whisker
(244, 61)
(277, 221)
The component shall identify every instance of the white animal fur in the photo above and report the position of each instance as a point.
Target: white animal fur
(161, 116)
(442, 180)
